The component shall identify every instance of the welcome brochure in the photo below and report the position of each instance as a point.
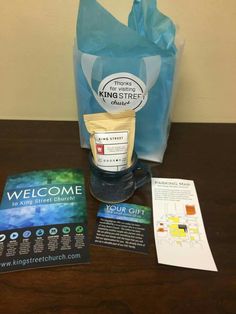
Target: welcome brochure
(43, 220)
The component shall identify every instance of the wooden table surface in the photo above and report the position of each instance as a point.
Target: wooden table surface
(119, 281)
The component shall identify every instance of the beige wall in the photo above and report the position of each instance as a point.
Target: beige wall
(36, 69)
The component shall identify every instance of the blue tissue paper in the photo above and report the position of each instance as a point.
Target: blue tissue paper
(119, 67)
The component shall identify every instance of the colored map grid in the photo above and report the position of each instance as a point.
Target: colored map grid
(179, 228)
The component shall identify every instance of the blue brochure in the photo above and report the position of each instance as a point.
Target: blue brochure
(43, 220)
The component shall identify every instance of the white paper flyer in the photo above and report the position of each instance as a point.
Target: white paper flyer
(178, 226)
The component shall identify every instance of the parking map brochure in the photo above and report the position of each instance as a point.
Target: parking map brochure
(178, 226)
(123, 226)
(43, 220)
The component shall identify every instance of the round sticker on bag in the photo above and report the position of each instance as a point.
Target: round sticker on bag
(122, 91)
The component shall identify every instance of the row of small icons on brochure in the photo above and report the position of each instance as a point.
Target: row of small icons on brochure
(40, 232)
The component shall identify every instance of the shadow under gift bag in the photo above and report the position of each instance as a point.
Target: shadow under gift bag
(119, 67)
